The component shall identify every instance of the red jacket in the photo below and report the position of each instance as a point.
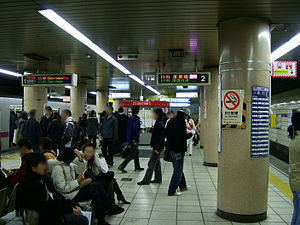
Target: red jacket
(15, 177)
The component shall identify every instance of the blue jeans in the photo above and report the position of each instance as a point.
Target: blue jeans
(178, 179)
(95, 192)
(296, 213)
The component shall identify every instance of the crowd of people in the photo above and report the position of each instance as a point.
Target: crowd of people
(60, 167)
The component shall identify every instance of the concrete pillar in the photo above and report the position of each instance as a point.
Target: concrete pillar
(202, 125)
(210, 123)
(244, 49)
(101, 100)
(35, 98)
(116, 104)
(78, 101)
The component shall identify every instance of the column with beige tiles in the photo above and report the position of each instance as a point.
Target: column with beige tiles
(244, 50)
(210, 134)
(78, 101)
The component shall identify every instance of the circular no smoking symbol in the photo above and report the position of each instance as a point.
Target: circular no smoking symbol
(231, 100)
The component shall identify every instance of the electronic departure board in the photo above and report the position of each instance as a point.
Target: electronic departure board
(184, 78)
(49, 80)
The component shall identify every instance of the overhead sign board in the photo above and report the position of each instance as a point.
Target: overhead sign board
(184, 78)
(128, 57)
(150, 78)
(232, 107)
(284, 69)
(49, 80)
(162, 104)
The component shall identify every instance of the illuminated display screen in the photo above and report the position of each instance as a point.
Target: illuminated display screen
(49, 79)
(183, 78)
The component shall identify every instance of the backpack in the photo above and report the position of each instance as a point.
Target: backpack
(78, 133)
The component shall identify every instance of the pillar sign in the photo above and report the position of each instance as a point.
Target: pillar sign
(49, 80)
(233, 109)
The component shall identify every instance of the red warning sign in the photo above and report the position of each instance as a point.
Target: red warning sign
(231, 100)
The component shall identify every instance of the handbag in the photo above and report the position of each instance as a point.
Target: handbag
(167, 156)
(125, 151)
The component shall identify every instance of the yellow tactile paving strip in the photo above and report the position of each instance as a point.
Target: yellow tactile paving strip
(282, 186)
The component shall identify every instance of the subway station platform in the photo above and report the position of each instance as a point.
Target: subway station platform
(197, 206)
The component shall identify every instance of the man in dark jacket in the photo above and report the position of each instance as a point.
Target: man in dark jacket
(157, 143)
(32, 131)
(176, 135)
(109, 133)
(122, 120)
(133, 131)
(92, 127)
(69, 128)
(36, 192)
(45, 120)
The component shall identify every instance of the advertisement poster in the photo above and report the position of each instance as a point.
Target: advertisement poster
(284, 69)
(260, 121)
(232, 107)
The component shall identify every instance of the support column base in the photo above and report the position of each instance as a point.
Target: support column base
(240, 217)
(210, 164)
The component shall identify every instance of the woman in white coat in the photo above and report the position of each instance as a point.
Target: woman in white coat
(191, 129)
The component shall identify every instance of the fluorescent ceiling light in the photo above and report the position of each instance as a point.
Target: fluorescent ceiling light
(182, 100)
(186, 94)
(11, 73)
(286, 47)
(189, 88)
(68, 87)
(115, 95)
(93, 92)
(137, 79)
(153, 89)
(175, 104)
(66, 26)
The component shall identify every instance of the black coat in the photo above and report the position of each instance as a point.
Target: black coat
(32, 131)
(176, 135)
(122, 121)
(44, 125)
(55, 132)
(32, 194)
(158, 136)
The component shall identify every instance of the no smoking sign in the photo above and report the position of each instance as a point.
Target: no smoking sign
(232, 107)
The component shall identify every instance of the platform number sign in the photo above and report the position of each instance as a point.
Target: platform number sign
(184, 78)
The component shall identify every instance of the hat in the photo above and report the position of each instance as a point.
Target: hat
(186, 111)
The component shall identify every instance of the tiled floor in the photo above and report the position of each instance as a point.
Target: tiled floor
(151, 205)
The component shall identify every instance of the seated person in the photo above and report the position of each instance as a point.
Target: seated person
(78, 189)
(45, 146)
(14, 176)
(36, 192)
(97, 169)
(3, 181)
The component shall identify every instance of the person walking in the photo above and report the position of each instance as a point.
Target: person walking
(176, 134)
(21, 121)
(55, 132)
(69, 128)
(45, 121)
(157, 143)
(109, 133)
(92, 127)
(32, 130)
(122, 120)
(294, 164)
(133, 131)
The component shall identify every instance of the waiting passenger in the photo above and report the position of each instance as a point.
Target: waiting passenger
(78, 189)
(12, 126)
(82, 122)
(45, 147)
(96, 168)
(122, 120)
(191, 129)
(55, 132)
(69, 128)
(32, 130)
(92, 127)
(176, 135)
(36, 192)
(21, 121)
(157, 143)
(45, 121)
(109, 133)
(294, 163)
(133, 132)
(14, 175)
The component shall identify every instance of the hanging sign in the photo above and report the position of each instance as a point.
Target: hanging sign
(145, 104)
(284, 69)
(233, 105)
(260, 122)
(49, 80)
(184, 78)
